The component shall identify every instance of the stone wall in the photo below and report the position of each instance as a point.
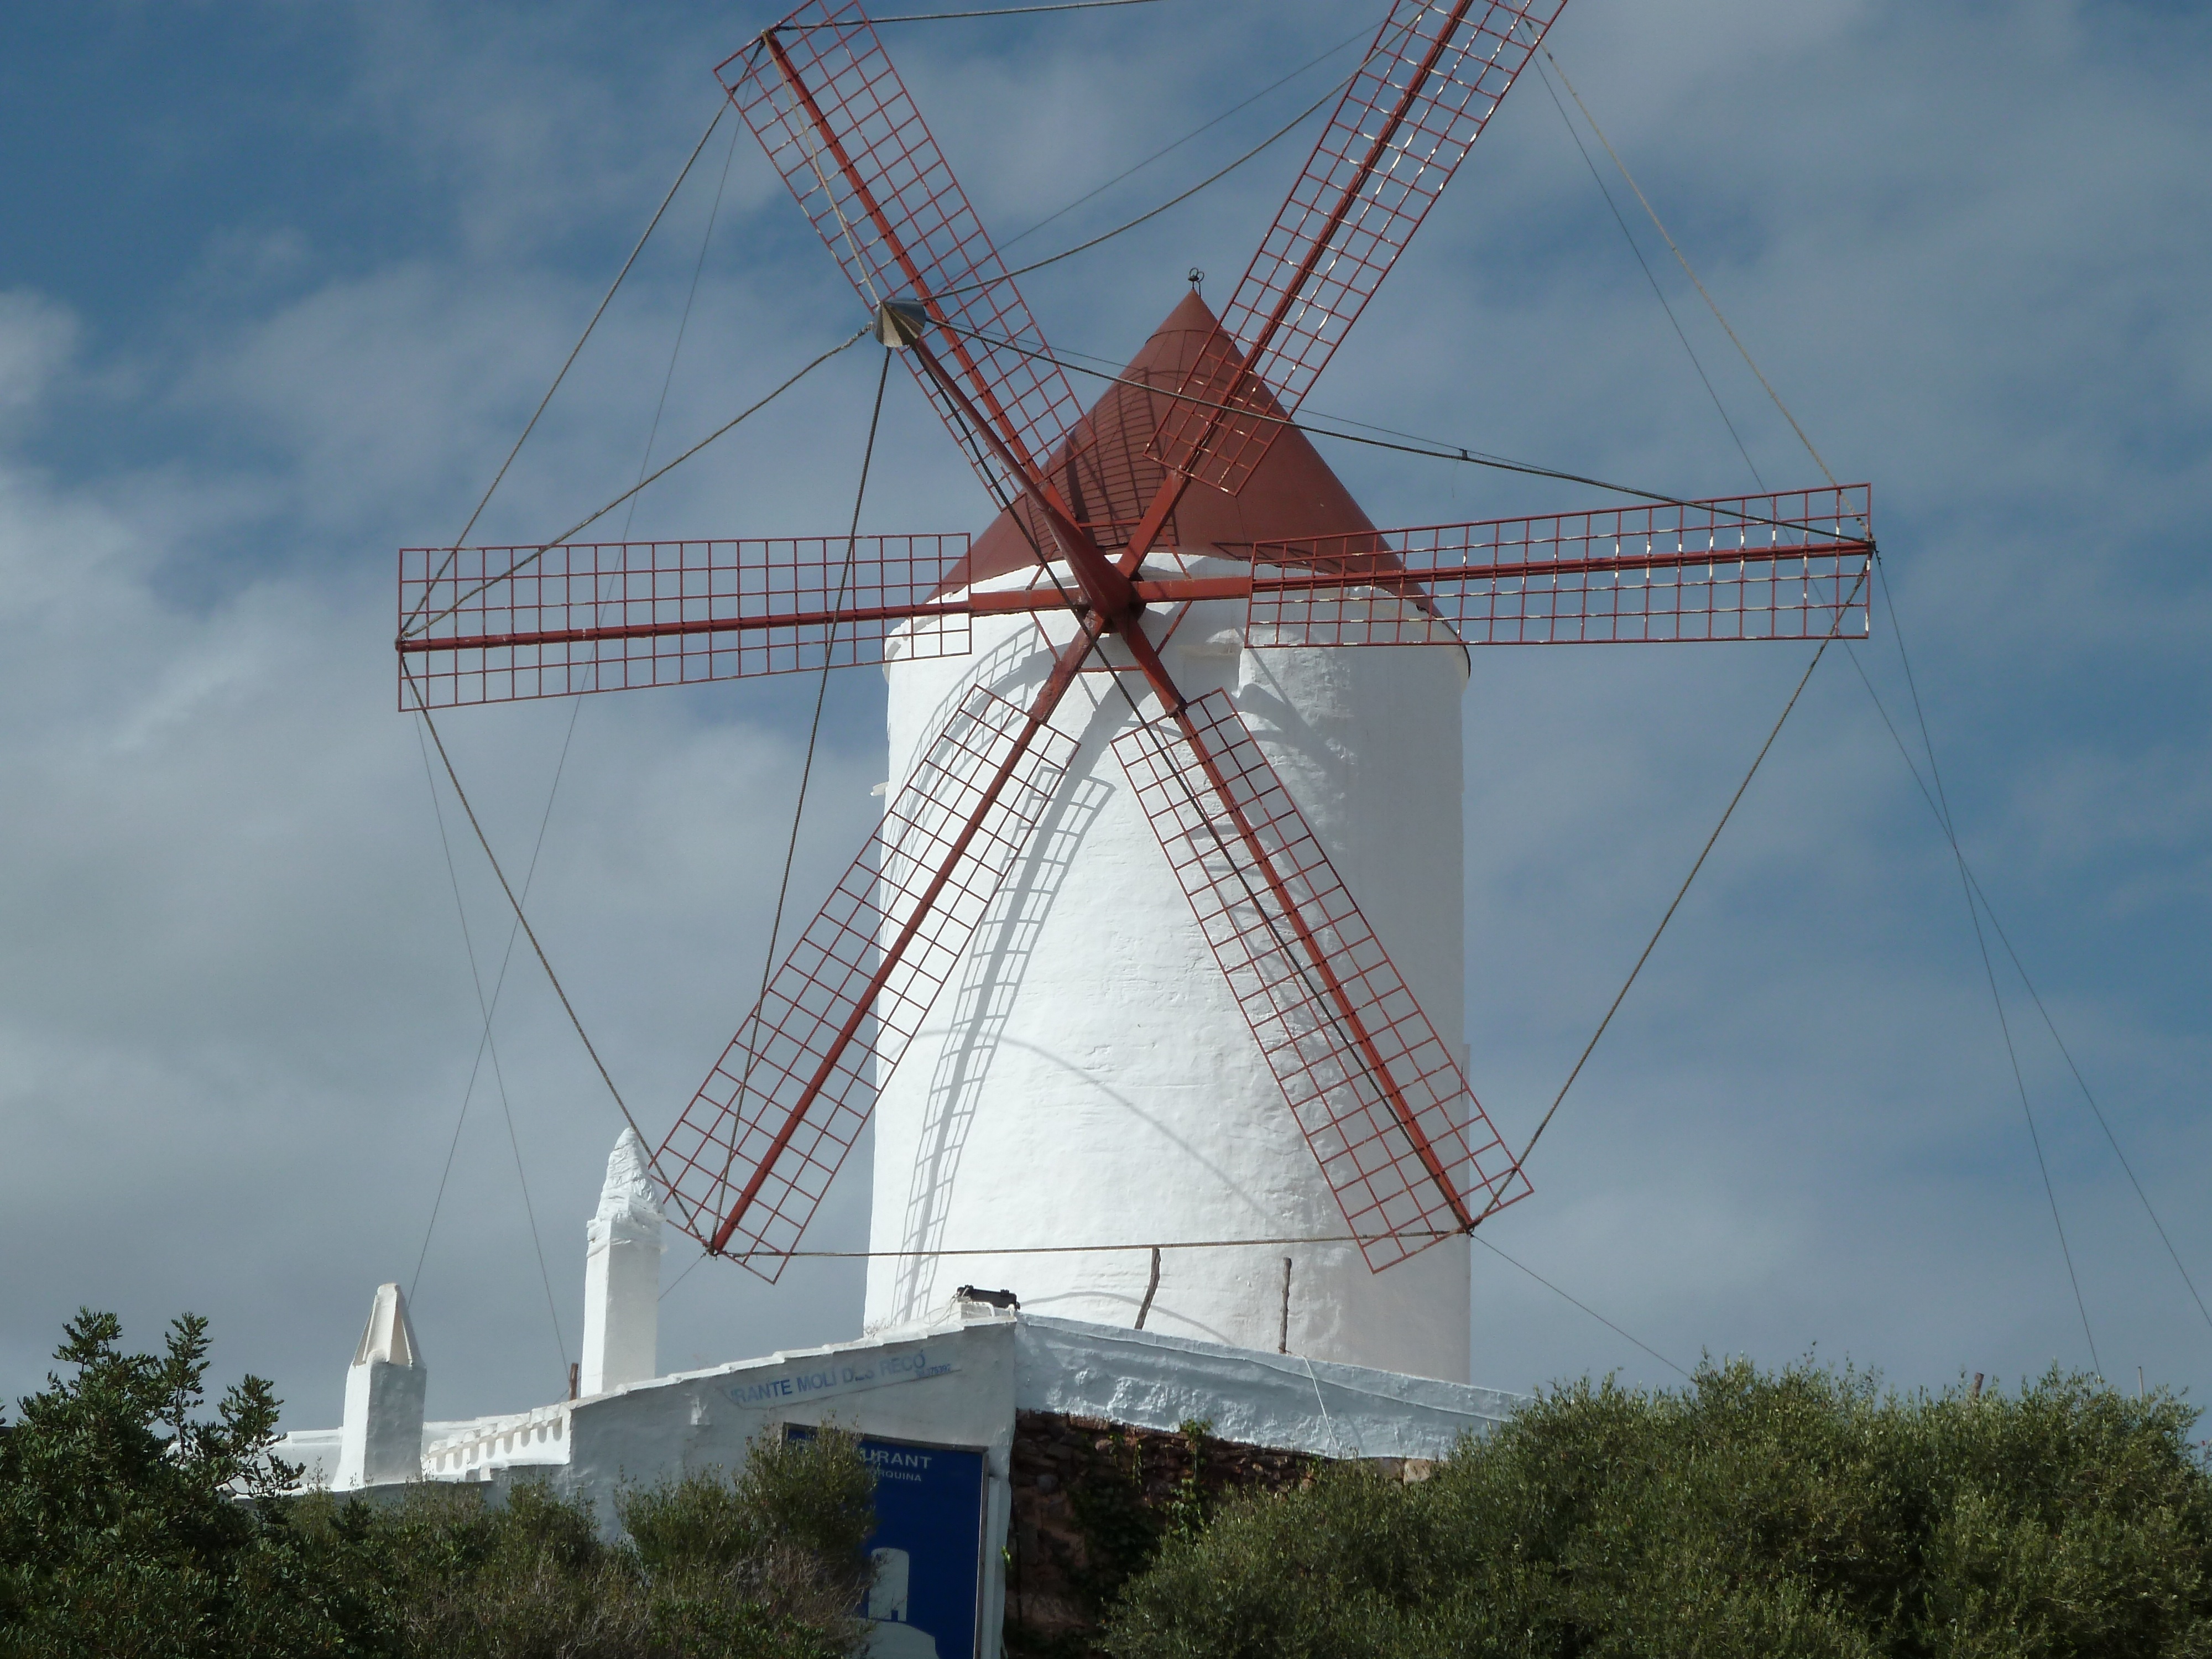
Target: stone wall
(1092, 1500)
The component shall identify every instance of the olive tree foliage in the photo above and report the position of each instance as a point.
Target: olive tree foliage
(131, 1524)
(767, 1565)
(119, 1529)
(1800, 1513)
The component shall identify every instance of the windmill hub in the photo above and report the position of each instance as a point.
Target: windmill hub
(899, 322)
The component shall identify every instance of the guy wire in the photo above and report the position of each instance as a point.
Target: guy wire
(530, 932)
(1279, 133)
(499, 981)
(1683, 891)
(569, 362)
(1937, 802)
(1313, 63)
(2034, 996)
(1643, 264)
(654, 477)
(806, 766)
(1432, 449)
(947, 16)
(1585, 1306)
(1742, 351)
(1989, 969)
(475, 978)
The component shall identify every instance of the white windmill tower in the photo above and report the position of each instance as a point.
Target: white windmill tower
(1086, 1077)
(1100, 973)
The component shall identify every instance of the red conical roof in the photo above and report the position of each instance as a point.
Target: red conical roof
(1103, 473)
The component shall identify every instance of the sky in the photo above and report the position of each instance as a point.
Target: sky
(282, 282)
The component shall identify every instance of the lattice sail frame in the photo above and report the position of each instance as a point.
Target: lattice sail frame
(1794, 565)
(507, 623)
(848, 140)
(839, 125)
(1403, 1144)
(741, 1139)
(1431, 81)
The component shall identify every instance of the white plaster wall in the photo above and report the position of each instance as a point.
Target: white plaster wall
(1290, 1402)
(947, 1387)
(621, 1275)
(467, 1450)
(622, 1309)
(704, 1420)
(315, 1451)
(1085, 1077)
(381, 1439)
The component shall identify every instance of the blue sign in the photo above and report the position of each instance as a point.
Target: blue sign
(928, 1548)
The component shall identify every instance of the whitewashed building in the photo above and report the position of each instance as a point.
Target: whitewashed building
(1084, 1086)
(954, 1381)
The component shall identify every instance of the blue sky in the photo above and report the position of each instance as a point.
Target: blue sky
(282, 282)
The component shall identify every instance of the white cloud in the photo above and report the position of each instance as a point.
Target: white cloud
(36, 339)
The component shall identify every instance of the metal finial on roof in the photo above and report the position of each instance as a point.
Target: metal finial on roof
(1197, 277)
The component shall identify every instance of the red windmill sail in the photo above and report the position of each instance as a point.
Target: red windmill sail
(1397, 1135)
(1428, 86)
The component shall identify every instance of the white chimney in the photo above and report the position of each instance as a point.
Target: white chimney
(382, 1440)
(621, 1275)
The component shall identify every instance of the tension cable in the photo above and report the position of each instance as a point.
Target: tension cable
(948, 16)
(653, 477)
(1128, 172)
(570, 361)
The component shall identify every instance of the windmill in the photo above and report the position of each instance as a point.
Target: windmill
(1085, 675)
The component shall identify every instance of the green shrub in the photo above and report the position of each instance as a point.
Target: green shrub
(714, 1576)
(814, 1494)
(120, 1533)
(1803, 1513)
(130, 1527)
